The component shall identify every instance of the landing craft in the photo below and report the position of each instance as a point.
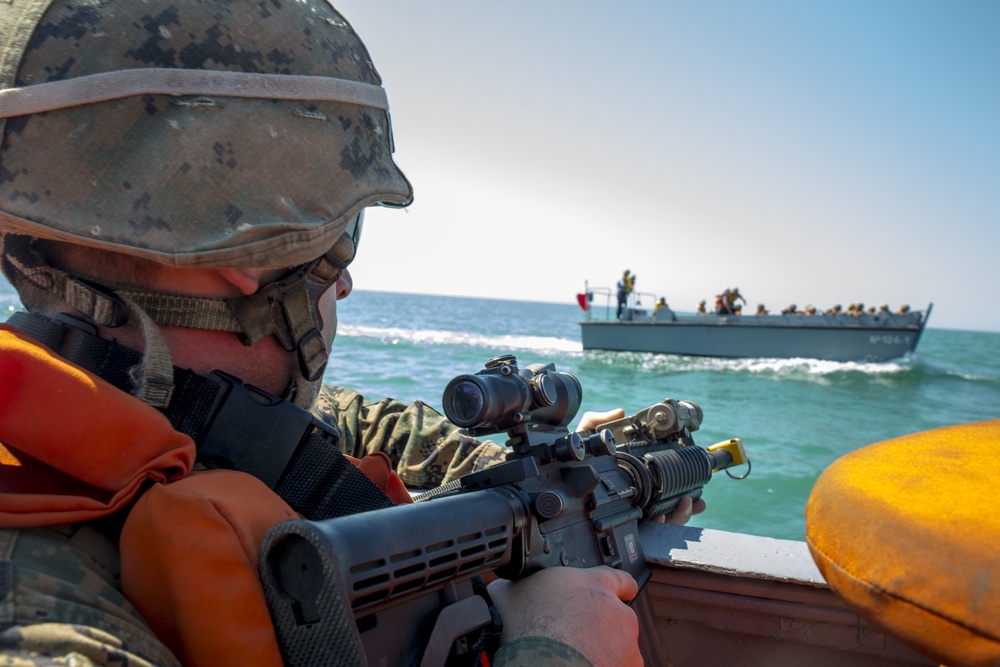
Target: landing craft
(840, 337)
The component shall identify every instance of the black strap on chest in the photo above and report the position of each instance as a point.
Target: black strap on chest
(234, 425)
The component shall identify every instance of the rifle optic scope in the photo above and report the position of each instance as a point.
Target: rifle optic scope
(501, 397)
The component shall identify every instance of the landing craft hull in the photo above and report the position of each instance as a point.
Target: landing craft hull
(829, 337)
(721, 598)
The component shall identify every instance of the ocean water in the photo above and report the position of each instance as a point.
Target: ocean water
(795, 416)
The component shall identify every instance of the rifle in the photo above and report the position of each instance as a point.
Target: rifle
(400, 586)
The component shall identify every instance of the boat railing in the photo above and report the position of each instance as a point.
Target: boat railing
(912, 319)
(590, 292)
(609, 296)
(635, 299)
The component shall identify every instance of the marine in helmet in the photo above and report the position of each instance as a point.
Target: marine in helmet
(183, 186)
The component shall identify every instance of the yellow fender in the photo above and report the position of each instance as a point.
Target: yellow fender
(907, 532)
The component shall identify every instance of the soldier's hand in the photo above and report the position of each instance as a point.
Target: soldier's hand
(591, 421)
(550, 603)
(686, 508)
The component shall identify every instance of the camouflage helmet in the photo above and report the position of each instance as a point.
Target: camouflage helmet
(197, 134)
(201, 133)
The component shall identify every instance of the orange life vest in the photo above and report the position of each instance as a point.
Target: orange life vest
(189, 544)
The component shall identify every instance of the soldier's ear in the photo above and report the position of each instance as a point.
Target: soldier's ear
(245, 280)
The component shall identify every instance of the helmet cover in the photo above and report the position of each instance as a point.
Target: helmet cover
(195, 180)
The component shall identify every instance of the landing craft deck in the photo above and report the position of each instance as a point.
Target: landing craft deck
(839, 337)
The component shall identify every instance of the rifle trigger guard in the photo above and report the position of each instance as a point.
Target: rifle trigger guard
(453, 623)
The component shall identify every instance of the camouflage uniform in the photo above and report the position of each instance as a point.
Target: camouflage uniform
(426, 448)
(61, 604)
(539, 651)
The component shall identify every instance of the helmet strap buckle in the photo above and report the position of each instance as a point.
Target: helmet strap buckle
(97, 302)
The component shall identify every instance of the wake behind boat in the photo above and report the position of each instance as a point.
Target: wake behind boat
(832, 337)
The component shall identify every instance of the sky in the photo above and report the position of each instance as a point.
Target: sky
(805, 152)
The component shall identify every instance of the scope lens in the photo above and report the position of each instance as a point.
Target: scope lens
(465, 403)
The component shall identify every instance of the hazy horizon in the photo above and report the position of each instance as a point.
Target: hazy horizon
(807, 153)
(598, 308)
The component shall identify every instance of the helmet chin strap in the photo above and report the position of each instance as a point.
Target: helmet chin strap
(153, 377)
(287, 308)
(302, 392)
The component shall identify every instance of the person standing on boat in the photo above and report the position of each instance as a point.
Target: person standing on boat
(723, 303)
(623, 290)
(175, 233)
(734, 296)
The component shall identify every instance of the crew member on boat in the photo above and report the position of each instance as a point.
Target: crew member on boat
(624, 289)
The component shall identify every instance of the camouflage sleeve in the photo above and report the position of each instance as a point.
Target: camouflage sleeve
(60, 603)
(539, 652)
(426, 449)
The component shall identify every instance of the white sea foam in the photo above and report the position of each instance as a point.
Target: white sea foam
(757, 366)
(548, 344)
(818, 366)
(395, 336)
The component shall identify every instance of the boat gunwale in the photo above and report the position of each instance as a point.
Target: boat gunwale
(765, 325)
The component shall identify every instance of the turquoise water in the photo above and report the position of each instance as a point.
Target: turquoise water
(795, 416)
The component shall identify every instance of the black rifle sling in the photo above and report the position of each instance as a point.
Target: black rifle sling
(233, 425)
(78, 343)
(321, 483)
(286, 447)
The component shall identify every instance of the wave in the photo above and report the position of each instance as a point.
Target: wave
(802, 368)
(754, 366)
(944, 369)
(797, 366)
(396, 336)
(909, 365)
